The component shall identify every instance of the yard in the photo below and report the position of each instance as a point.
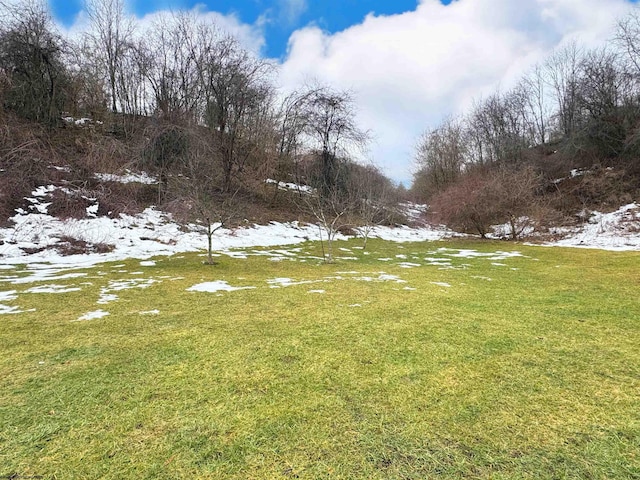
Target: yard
(453, 359)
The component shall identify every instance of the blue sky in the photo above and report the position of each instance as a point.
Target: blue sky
(411, 63)
(280, 17)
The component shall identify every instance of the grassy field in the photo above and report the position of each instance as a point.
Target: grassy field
(403, 362)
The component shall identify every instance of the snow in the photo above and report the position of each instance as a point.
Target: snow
(4, 310)
(616, 231)
(216, 286)
(92, 315)
(442, 284)
(467, 253)
(10, 295)
(53, 289)
(153, 233)
(409, 265)
(382, 277)
(128, 177)
(290, 186)
(287, 282)
(414, 211)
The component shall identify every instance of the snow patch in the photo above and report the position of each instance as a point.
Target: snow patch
(10, 295)
(616, 231)
(53, 289)
(290, 186)
(217, 286)
(92, 315)
(128, 177)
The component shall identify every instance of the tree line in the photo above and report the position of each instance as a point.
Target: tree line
(204, 111)
(501, 162)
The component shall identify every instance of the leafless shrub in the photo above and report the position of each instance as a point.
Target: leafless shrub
(485, 198)
(115, 198)
(24, 159)
(462, 206)
(67, 204)
(72, 246)
(106, 154)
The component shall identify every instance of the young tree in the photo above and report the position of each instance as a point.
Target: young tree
(373, 199)
(332, 212)
(197, 191)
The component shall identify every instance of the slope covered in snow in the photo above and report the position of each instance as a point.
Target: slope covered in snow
(37, 237)
(619, 230)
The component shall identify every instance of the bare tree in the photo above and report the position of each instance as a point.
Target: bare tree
(440, 156)
(500, 127)
(563, 76)
(332, 130)
(169, 57)
(462, 206)
(110, 36)
(537, 103)
(372, 197)
(235, 89)
(627, 37)
(513, 197)
(331, 211)
(199, 197)
(32, 62)
(290, 125)
(506, 194)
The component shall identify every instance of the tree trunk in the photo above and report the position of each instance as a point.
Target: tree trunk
(210, 243)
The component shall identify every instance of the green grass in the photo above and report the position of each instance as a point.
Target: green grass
(529, 369)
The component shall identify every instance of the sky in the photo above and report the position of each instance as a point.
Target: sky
(409, 63)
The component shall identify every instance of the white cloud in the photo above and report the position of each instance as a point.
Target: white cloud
(412, 69)
(291, 10)
(251, 36)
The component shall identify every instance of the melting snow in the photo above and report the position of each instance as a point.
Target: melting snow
(92, 315)
(4, 310)
(10, 295)
(287, 282)
(53, 289)
(618, 231)
(382, 277)
(290, 186)
(217, 286)
(129, 177)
